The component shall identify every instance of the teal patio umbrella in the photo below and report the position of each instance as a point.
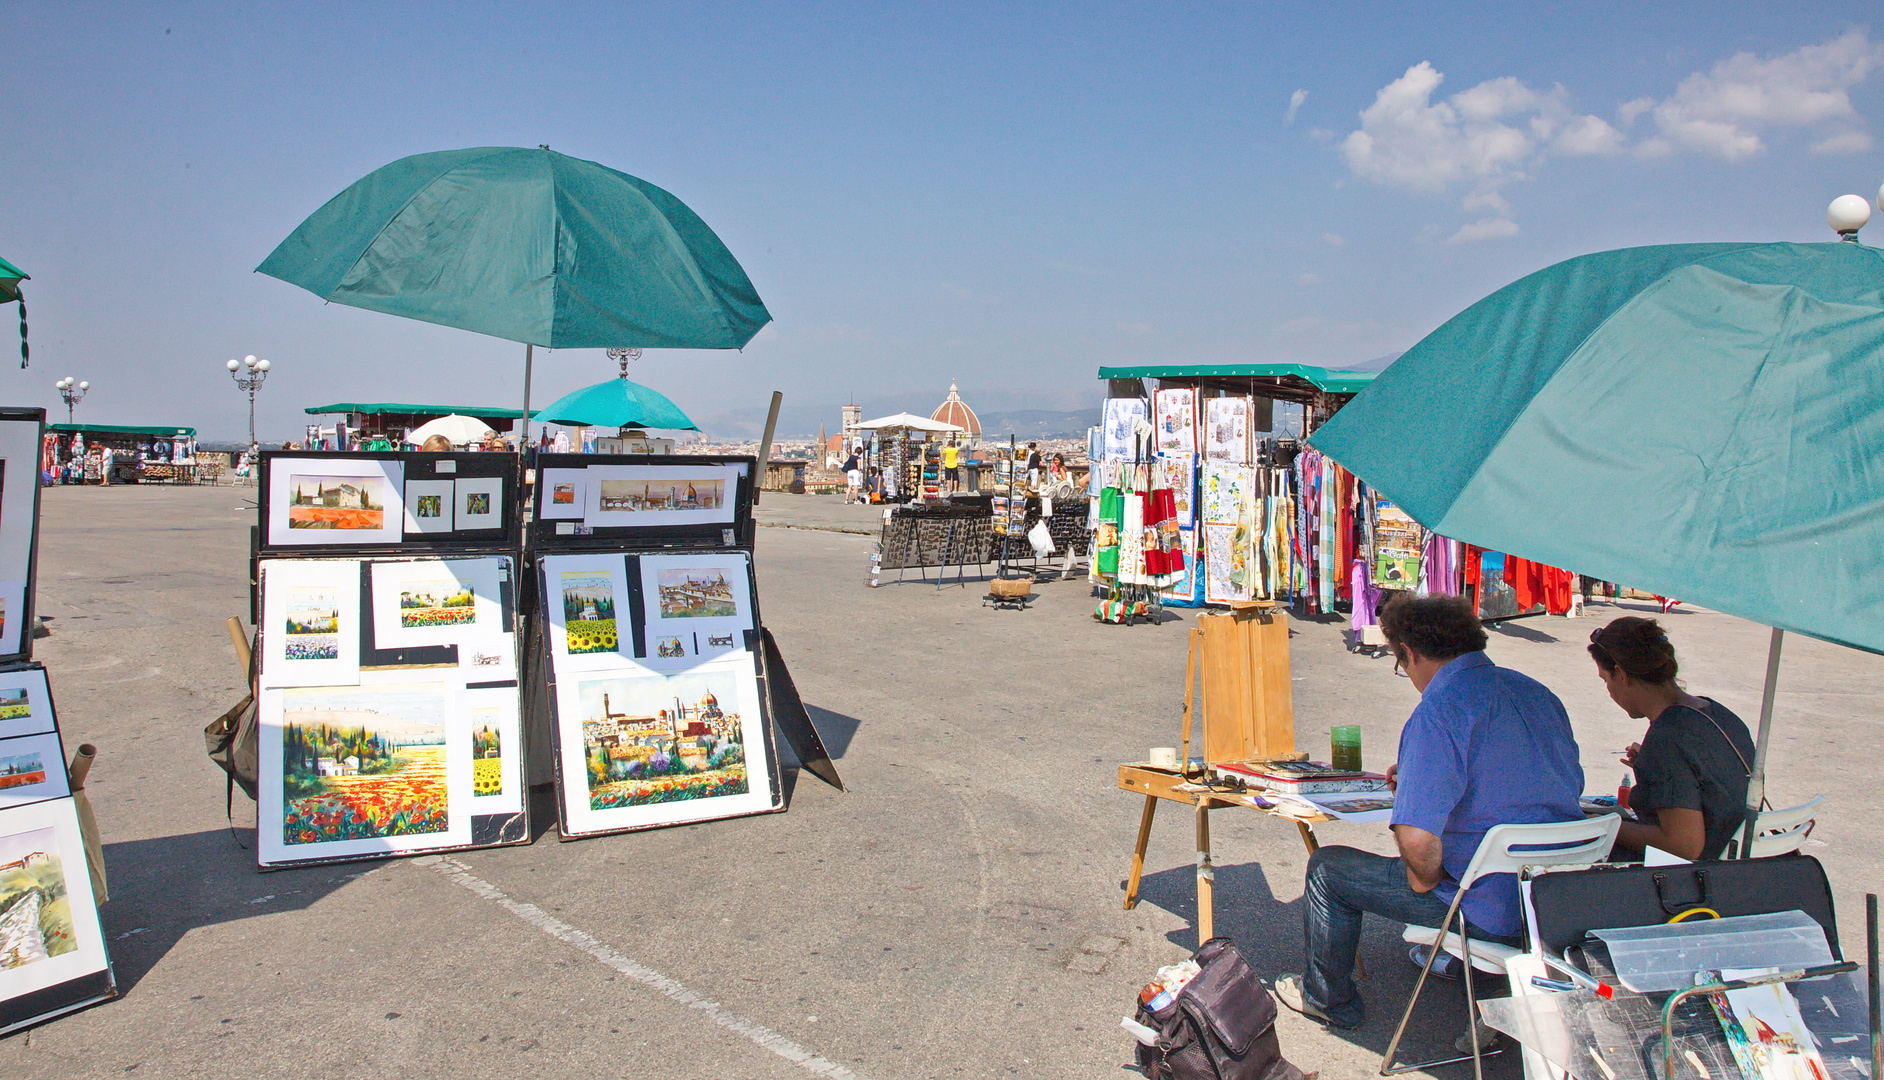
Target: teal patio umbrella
(527, 245)
(616, 403)
(1702, 420)
(10, 278)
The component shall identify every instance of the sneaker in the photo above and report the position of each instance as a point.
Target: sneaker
(1288, 990)
(1490, 1040)
(1447, 967)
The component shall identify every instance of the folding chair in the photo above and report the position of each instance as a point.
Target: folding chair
(1780, 832)
(1554, 844)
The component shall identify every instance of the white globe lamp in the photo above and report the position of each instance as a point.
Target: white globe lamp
(85, 386)
(1847, 215)
(234, 365)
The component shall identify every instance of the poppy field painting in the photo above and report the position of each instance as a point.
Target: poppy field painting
(437, 603)
(362, 763)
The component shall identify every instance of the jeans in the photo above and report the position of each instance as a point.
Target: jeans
(1342, 883)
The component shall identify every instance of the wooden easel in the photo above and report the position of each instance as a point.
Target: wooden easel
(1247, 714)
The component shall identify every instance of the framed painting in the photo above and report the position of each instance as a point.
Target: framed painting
(310, 622)
(586, 599)
(496, 742)
(25, 703)
(436, 602)
(564, 494)
(657, 496)
(335, 501)
(380, 768)
(479, 503)
(638, 749)
(32, 769)
(52, 946)
(428, 506)
(696, 607)
(20, 447)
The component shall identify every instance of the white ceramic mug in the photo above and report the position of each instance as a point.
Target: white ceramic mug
(1164, 757)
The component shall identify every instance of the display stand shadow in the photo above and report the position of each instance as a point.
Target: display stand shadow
(387, 607)
(662, 688)
(51, 937)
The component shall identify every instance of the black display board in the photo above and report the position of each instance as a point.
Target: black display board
(22, 440)
(662, 690)
(315, 529)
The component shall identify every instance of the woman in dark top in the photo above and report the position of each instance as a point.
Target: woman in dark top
(1691, 768)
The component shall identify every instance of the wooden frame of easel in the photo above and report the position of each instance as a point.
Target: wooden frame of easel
(1269, 723)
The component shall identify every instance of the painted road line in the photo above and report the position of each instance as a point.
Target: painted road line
(673, 988)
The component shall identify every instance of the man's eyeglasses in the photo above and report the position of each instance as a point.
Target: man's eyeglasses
(1397, 669)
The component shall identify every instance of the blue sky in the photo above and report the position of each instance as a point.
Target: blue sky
(1006, 196)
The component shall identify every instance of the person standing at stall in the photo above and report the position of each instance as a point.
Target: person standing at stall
(1033, 465)
(951, 466)
(853, 479)
(1485, 746)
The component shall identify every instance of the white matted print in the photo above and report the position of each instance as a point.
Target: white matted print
(1177, 421)
(1226, 565)
(310, 622)
(25, 703)
(479, 504)
(585, 596)
(496, 750)
(335, 501)
(563, 491)
(19, 467)
(436, 601)
(704, 600)
(1226, 429)
(32, 768)
(46, 903)
(644, 496)
(361, 770)
(642, 748)
(428, 506)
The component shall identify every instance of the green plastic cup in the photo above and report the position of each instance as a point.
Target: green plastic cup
(1345, 748)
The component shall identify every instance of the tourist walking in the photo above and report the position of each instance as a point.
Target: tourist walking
(853, 479)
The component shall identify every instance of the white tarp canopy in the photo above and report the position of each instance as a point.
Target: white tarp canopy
(910, 421)
(458, 430)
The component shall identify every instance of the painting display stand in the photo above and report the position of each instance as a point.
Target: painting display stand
(53, 958)
(663, 690)
(387, 606)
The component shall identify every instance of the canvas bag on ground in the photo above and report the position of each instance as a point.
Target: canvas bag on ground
(1221, 1026)
(231, 741)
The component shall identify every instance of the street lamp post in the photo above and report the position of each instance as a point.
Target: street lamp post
(73, 392)
(248, 374)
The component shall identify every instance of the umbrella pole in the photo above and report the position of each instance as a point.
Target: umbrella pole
(1756, 781)
(529, 352)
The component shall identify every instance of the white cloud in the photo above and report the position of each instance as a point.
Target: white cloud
(1845, 142)
(1295, 103)
(1484, 229)
(1724, 112)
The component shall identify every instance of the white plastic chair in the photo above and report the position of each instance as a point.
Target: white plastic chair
(1780, 832)
(1585, 841)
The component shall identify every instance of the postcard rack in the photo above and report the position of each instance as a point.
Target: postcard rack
(386, 601)
(662, 688)
(53, 957)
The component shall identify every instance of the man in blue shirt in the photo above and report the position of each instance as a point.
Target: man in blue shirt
(1486, 746)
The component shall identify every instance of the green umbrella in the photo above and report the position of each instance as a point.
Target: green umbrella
(10, 278)
(1702, 420)
(616, 403)
(527, 245)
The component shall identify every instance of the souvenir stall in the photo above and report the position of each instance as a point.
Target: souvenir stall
(150, 454)
(386, 606)
(908, 469)
(1019, 509)
(661, 685)
(51, 870)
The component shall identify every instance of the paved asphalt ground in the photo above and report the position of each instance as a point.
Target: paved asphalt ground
(956, 913)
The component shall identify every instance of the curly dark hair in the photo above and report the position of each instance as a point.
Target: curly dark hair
(1639, 647)
(1438, 627)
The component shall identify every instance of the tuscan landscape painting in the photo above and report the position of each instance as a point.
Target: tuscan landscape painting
(13, 704)
(618, 496)
(589, 611)
(437, 603)
(313, 623)
(22, 770)
(359, 763)
(337, 502)
(696, 594)
(487, 754)
(661, 740)
(35, 914)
